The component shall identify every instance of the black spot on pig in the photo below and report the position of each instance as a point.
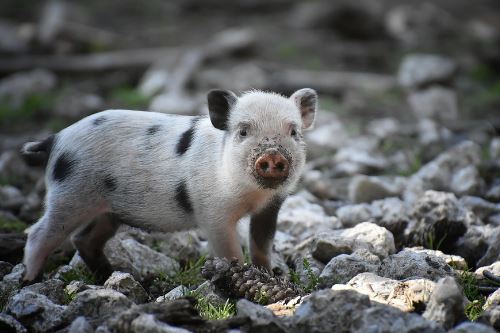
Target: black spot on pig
(63, 166)
(186, 138)
(153, 129)
(182, 197)
(110, 183)
(99, 120)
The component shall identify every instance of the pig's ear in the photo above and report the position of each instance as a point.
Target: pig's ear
(306, 101)
(220, 103)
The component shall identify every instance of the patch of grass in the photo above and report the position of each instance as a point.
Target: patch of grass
(210, 311)
(431, 243)
(313, 280)
(469, 283)
(129, 97)
(14, 225)
(29, 108)
(78, 274)
(55, 125)
(189, 275)
(287, 51)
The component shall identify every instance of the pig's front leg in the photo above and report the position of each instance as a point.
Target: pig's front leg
(223, 239)
(262, 229)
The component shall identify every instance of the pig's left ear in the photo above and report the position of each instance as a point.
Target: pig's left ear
(306, 101)
(220, 103)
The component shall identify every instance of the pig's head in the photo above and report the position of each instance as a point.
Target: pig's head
(263, 141)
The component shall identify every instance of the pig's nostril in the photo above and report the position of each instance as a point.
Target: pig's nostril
(280, 166)
(264, 166)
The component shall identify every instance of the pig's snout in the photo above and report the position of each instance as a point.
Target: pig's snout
(272, 165)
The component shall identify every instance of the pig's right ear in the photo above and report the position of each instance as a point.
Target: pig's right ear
(220, 103)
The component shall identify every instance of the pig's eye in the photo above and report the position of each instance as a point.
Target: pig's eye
(243, 132)
(293, 132)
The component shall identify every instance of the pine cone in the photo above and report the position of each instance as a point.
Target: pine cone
(248, 281)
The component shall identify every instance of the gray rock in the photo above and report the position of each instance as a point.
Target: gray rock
(11, 282)
(174, 104)
(80, 325)
(422, 69)
(384, 127)
(493, 252)
(495, 148)
(491, 317)
(482, 208)
(97, 305)
(177, 292)
(370, 188)
(125, 284)
(10, 197)
(315, 266)
(344, 267)
(147, 323)
(130, 256)
(493, 268)
(410, 264)
(185, 245)
(11, 38)
(447, 304)
(438, 174)
(438, 220)
(456, 262)
(327, 137)
(243, 77)
(493, 193)
(74, 104)
(13, 169)
(436, 103)
(5, 268)
(262, 319)
(351, 215)
(16, 87)
(431, 132)
(37, 312)
(31, 210)
(366, 235)
(358, 159)
(301, 218)
(469, 327)
(10, 324)
(472, 245)
(492, 300)
(348, 311)
(52, 288)
(208, 291)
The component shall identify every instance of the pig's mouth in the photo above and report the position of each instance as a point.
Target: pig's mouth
(271, 165)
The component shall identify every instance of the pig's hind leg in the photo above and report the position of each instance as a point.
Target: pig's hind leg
(90, 244)
(61, 218)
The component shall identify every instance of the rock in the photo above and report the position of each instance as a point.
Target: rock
(75, 287)
(10, 324)
(125, 284)
(244, 77)
(185, 245)
(37, 312)
(314, 266)
(493, 193)
(467, 181)
(262, 319)
(469, 327)
(417, 24)
(472, 245)
(493, 268)
(5, 268)
(351, 215)
(430, 132)
(147, 323)
(208, 291)
(418, 70)
(493, 252)
(384, 127)
(436, 103)
(80, 325)
(352, 160)
(344, 267)
(410, 264)
(177, 292)
(52, 288)
(370, 188)
(155, 79)
(130, 256)
(438, 221)
(174, 104)
(97, 305)
(74, 104)
(408, 296)
(14, 89)
(31, 210)
(13, 169)
(454, 261)
(491, 316)
(482, 208)
(366, 235)
(10, 197)
(301, 218)
(349, 311)
(492, 300)
(494, 149)
(327, 137)
(12, 39)
(447, 304)
(439, 173)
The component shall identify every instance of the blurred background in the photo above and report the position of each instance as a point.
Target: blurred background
(399, 81)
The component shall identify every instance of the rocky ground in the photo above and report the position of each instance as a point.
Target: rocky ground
(395, 226)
